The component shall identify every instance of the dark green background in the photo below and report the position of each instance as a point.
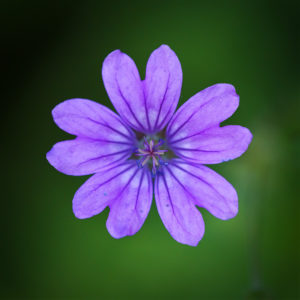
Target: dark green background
(53, 51)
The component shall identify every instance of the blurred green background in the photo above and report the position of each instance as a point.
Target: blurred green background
(53, 50)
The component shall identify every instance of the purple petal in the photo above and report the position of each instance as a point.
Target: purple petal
(126, 189)
(99, 190)
(83, 156)
(145, 106)
(162, 86)
(86, 118)
(129, 211)
(177, 209)
(204, 110)
(125, 89)
(214, 145)
(205, 188)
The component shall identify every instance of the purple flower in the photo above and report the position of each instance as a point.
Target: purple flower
(149, 144)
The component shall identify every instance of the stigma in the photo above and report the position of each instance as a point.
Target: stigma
(151, 152)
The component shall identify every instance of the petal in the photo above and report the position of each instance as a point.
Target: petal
(206, 188)
(125, 89)
(204, 110)
(162, 86)
(86, 118)
(214, 145)
(129, 211)
(126, 189)
(177, 209)
(83, 156)
(145, 106)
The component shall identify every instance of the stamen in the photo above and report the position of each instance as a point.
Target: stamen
(155, 161)
(143, 151)
(151, 145)
(151, 151)
(145, 161)
(160, 152)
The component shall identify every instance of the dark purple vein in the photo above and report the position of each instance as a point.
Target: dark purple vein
(129, 107)
(205, 182)
(102, 156)
(138, 192)
(162, 102)
(129, 181)
(196, 150)
(167, 188)
(182, 125)
(189, 193)
(111, 128)
(101, 184)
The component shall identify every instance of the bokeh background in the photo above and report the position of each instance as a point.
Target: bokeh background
(53, 50)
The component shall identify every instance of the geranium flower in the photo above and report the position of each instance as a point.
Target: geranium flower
(148, 146)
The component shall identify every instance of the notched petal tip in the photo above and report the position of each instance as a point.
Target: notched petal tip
(246, 138)
(60, 109)
(226, 86)
(115, 52)
(243, 137)
(51, 158)
(118, 230)
(232, 214)
(192, 240)
(249, 136)
(194, 243)
(224, 90)
(231, 210)
(110, 58)
(164, 47)
(187, 238)
(56, 160)
(79, 214)
(64, 112)
(56, 111)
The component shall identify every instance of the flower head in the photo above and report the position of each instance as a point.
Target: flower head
(149, 147)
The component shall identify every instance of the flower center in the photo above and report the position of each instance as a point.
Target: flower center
(152, 152)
